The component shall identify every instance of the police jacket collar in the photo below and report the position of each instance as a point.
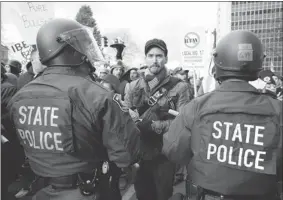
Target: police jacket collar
(62, 70)
(236, 85)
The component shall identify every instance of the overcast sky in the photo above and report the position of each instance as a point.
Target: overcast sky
(144, 20)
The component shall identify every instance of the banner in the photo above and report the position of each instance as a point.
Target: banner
(30, 16)
(193, 48)
(20, 51)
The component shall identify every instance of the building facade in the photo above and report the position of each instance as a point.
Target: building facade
(263, 18)
(3, 54)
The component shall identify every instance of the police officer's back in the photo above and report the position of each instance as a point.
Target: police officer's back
(68, 124)
(232, 137)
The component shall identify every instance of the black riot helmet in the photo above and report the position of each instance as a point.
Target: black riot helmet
(238, 55)
(59, 36)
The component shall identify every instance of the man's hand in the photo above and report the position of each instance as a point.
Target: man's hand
(134, 115)
(145, 127)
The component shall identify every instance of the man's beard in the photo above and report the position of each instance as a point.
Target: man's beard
(155, 68)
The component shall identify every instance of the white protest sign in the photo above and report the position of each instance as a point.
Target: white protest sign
(30, 16)
(20, 51)
(193, 48)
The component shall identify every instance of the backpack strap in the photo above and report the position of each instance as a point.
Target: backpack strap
(158, 92)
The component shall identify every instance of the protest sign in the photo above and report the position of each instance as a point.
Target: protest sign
(193, 48)
(30, 16)
(20, 51)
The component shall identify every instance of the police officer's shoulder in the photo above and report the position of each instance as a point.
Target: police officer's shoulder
(204, 97)
(92, 91)
(276, 104)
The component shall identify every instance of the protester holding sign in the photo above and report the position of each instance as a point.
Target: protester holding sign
(232, 136)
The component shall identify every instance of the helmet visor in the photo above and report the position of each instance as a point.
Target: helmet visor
(83, 41)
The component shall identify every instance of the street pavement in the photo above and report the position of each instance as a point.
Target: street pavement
(129, 193)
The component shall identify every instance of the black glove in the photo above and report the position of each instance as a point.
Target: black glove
(145, 127)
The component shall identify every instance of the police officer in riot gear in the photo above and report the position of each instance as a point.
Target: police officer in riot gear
(231, 137)
(74, 133)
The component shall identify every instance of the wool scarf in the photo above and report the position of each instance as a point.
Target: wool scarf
(154, 79)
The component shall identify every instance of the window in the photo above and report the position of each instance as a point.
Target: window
(232, 23)
(244, 22)
(272, 39)
(232, 14)
(260, 12)
(240, 23)
(256, 12)
(252, 13)
(236, 23)
(264, 11)
(269, 11)
(248, 13)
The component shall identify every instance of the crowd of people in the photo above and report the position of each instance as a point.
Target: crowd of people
(80, 129)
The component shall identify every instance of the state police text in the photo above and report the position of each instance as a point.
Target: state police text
(237, 133)
(41, 119)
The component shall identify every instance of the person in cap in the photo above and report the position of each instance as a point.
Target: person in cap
(182, 74)
(152, 95)
(103, 72)
(231, 137)
(74, 132)
(118, 70)
(130, 75)
(110, 82)
(13, 69)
